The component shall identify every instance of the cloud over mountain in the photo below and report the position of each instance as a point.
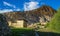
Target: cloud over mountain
(9, 10)
(7, 4)
(5, 10)
(30, 5)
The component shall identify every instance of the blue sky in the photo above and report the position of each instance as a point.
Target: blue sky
(20, 5)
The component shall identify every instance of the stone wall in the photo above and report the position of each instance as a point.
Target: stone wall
(17, 24)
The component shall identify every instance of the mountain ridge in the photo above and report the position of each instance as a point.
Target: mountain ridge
(44, 14)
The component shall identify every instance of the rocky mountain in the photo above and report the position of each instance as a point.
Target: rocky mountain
(42, 14)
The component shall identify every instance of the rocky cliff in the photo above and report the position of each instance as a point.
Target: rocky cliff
(42, 14)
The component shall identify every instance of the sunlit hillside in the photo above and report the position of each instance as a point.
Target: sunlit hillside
(54, 24)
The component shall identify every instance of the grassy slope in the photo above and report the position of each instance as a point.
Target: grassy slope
(54, 25)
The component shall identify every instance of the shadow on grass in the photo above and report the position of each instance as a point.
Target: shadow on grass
(30, 32)
(48, 34)
(23, 32)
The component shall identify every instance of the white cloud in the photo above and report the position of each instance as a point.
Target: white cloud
(8, 10)
(8, 4)
(5, 10)
(30, 5)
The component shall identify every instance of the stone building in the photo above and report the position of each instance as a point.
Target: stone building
(18, 23)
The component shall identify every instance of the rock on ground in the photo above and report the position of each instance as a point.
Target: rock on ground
(4, 29)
